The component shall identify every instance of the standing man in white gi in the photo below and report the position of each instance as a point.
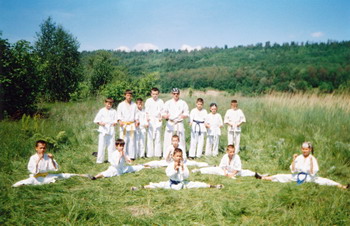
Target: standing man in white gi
(126, 113)
(154, 108)
(234, 118)
(175, 111)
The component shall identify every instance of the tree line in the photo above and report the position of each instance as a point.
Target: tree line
(53, 69)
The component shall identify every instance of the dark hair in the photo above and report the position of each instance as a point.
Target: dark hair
(230, 146)
(200, 100)
(176, 136)
(155, 89)
(109, 100)
(40, 142)
(139, 99)
(233, 101)
(177, 150)
(120, 142)
(128, 91)
(213, 104)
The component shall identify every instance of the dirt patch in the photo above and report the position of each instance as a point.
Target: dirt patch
(140, 211)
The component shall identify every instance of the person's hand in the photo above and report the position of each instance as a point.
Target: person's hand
(50, 155)
(166, 116)
(207, 125)
(183, 116)
(121, 123)
(102, 123)
(295, 156)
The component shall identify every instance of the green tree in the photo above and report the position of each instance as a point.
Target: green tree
(102, 72)
(59, 61)
(19, 82)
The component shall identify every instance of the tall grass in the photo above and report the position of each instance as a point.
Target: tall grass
(276, 126)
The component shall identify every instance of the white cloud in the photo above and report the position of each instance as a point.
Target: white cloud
(317, 34)
(190, 48)
(145, 47)
(123, 49)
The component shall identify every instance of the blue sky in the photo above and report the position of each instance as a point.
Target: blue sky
(160, 24)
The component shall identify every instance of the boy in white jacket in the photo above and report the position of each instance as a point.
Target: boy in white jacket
(214, 123)
(106, 118)
(40, 165)
(178, 173)
(118, 163)
(141, 129)
(234, 118)
(230, 166)
(198, 130)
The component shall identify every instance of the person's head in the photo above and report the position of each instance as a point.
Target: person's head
(177, 156)
(306, 149)
(40, 146)
(213, 108)
(230, 150)
(176, 94)
(155, 93)
(199, 103)
(234, 104)
(109, 103)
(139, 103)
(120, 143)
(175, 139)
(128, 95)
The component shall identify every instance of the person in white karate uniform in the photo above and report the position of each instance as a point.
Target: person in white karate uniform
(118, 163)
(40, 165)
(106, 118)
(154, 108)
(127, 120)
(141, 129)
(230, 166)
(198, 130)
(214, 123)
(234, 118)
(175, 111)
(178, 172)
(168, 156)
(304, 168)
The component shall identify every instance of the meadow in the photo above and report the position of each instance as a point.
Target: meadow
(276, 126)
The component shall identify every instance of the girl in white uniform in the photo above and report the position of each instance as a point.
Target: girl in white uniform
(198, 130)
(304, 168)
(168, 156)
(106, 118)
(118, 163)
(178, 173)
(154, 109)
(214, 124)
(230, 166)
(40, 165)
(234, 118)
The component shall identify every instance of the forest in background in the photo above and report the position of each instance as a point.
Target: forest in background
(251, 70)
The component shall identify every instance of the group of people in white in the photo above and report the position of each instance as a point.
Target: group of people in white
(136, 125)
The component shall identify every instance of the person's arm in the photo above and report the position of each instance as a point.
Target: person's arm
(227, 118)
(33, 165)
(53, 166)
(171, 170)
(221, 124)
(242, 119)
(314, 165)
(185, 112)
(292, 167)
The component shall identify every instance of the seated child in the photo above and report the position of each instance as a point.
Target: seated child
(304, 168)
(177, 172)
(168, 157)
(40, 164)
(117, 162)
(230, 166)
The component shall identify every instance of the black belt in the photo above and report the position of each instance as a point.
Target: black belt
(198, 124)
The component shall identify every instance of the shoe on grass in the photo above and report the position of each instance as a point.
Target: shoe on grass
(257, 176)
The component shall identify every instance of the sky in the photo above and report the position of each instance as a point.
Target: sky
(179, 24)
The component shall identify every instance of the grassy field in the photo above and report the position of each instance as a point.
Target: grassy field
(276, 126)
